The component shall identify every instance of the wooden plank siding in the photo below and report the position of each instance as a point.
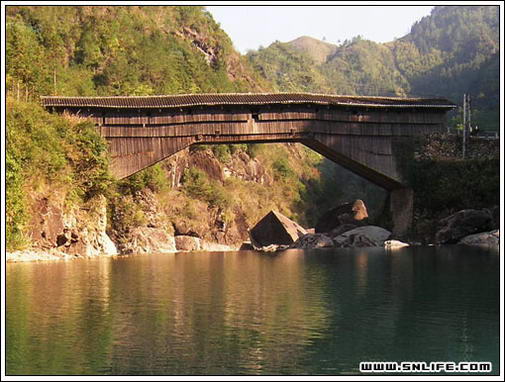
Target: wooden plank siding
(391, 117)
(357, 132)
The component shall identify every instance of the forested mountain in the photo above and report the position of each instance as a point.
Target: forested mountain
(452, 51)
(89, 50)
(57, 166)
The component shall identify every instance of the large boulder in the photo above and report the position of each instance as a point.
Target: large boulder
(394, 244)
(353, 213)
(367, 236)
(148, 240)
(315, 240)
(275, 228)
(341, 229)
(495, 213)
(187, 243)
(463, 223)
(484, 239)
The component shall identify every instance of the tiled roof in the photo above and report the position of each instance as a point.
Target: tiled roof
(187, 100)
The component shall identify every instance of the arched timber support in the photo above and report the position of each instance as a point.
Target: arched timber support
(142, 152)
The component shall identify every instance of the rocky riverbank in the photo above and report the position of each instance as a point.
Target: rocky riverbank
(58, 234)
(347, 226)
(40, 255)
(54, 254)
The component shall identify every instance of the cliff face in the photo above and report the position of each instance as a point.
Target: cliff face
(207, 199)
(214, 198)
(78, 231)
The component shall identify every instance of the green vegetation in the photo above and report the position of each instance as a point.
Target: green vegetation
(152, 178)
(45, 150)
(456, 184)
(120, 50)
(288, 70)
(133, 51)
(197, 185)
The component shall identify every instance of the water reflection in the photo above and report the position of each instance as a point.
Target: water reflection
(313, 312)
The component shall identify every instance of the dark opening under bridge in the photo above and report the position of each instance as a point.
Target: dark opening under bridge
(363, 134)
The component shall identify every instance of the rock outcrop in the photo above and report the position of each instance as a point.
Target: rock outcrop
(76, 231)
(144, 240)
(367, 236)
(341, 229)
(316, 240)
(187, 243)
(353, 213)
(394, 244)
(275, 228)
(463, 223)
(489, 240)
(495, 213)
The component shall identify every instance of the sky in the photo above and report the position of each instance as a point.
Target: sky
(253, 26)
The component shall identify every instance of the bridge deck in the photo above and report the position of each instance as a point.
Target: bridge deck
(188, 100)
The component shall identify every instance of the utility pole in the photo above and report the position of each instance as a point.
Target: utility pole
(464, 125)
(54, 81)
(468, 114)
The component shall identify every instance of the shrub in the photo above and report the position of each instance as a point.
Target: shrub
(456, 185)
(91, 166)
(253, 149)
(238, 147)
(154, 178)
(197, 185)
(125, 213)
(282, 169)
(222, 153)
(15, 203)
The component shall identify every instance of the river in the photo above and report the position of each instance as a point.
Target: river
(318, 312)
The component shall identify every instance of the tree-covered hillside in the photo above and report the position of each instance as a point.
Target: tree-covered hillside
(466, 40)
(453, 51)
(121, 50)
(289, 70)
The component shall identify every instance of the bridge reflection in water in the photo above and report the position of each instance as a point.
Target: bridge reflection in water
(368, 135)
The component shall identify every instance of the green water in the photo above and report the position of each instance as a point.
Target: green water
(302, 312)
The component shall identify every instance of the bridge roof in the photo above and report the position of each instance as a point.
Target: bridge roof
(217, 99)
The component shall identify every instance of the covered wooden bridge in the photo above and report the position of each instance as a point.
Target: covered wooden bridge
(367, 135)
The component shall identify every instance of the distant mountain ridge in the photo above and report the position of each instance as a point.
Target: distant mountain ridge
(316, 49)
(452, 51)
